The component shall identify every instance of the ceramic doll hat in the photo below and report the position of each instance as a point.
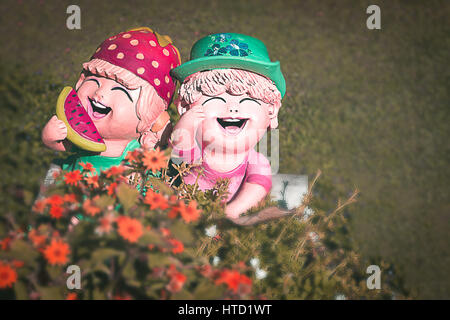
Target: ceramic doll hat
(231, 50)
(145, 53)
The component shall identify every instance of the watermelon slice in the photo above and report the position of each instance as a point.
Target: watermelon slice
(81, 130)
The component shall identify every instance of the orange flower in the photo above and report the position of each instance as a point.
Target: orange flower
(4, 244)
(17, 264)
(87, 167)
(90, 208)
(132, 156)
(114, 171)
(154, 160)
(39, 206)
(38, 240)
(70, 198)
(178, 246)
(156, 200)
(130, 229)
(105, 224)
(233, 279)
(165, 232)
(189, 213)
(72, 177)
(177, 280)
(7, 276)
(111, 188)
(72, 295)
(56, 212)
(55, 200)
(56, 252)
(92, 180)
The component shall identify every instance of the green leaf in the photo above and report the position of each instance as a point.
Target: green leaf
(20, 290)
(208, 291)
(128, 196)
(158, 260)
(23, 251)
(104, 201)
(50, 293)
(182, 295)
(151, 237)
(55, 272)
(182, 232)
(161, 186)
(107, 253)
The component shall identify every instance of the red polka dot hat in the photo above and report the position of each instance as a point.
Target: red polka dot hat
(145, 53)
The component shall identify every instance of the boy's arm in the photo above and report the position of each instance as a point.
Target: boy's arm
(249, 196)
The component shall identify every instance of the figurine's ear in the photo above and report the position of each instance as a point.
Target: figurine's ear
(80, 81)
(273, 116)
(181, 107)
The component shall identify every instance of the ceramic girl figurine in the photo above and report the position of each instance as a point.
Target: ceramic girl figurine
(125, 88)
(230, 95)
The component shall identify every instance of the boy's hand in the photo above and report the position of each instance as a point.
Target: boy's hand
(54, 132)
(183, 136)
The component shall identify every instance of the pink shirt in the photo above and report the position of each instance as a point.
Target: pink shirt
(254, 169)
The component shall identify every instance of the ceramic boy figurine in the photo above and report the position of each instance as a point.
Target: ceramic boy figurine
(125, 89)
(230, 95)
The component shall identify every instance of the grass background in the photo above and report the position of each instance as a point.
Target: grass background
(368, 107)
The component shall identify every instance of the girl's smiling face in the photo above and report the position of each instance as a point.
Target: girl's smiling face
(111, 106)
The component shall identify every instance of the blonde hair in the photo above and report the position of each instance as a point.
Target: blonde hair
(149, 105)
(233, 81)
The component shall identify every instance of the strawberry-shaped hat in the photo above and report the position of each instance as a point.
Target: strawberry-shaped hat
(145, 53)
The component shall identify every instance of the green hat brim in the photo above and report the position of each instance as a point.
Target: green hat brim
(270, 70)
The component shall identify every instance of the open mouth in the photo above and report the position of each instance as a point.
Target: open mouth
(99, 110)
(232, 125)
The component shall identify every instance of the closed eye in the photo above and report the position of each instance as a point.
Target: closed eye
(125, 91)
(249, 99)
(213, 99)
(95, 80)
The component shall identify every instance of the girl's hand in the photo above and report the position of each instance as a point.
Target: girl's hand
(53, 133)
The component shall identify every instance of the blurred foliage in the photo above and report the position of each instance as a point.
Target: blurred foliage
(174, 244)
(370, 108)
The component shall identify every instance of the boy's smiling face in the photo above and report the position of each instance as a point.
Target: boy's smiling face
(233, 123)
(111, 106)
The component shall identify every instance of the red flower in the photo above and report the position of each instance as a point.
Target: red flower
(56, 212)
(189, 213)
(55, 200)
(233, 279)
(38, 240)
(72, 177)
(105, 224)
(92, 180)
(5, 243)
(39, 206)
(70, 198)
(177, 280)
(90, 208)
(72, 295)
(56, 252)
(165, 232)
(130, 229)
(154, 160)
(87, 167)
(132, 156)
(178, 246)
(156, 200)
(7, 276)
(112, 188)
(114, 171)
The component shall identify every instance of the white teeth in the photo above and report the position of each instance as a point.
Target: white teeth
(232, 120)
(98, 105)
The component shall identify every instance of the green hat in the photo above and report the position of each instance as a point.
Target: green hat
(231, 50)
